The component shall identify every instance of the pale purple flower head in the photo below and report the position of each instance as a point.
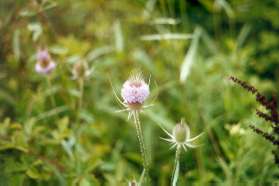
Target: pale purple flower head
(135, 90)
(39, 68)
(44, 65)
(43, 55)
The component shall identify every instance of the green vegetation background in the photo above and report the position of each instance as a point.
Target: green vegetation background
(41, 143)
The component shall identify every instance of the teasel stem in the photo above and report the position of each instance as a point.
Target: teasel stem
(141, 141)
(79, 101)
(49, 87)
(77, 131)
(79, 106)
(175, 173)
(81, 89)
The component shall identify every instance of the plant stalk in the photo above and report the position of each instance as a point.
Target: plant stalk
(51, 96)
(141, 141)
(175, 173)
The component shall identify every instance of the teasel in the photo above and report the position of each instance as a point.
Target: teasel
(134, 94)
(44, 65)
(81, 72)
(180, 139)
(137, 183)
(133, 183)
(271, 116)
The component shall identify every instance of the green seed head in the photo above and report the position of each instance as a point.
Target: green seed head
(133, 183)
(80, 69)
(180, 132)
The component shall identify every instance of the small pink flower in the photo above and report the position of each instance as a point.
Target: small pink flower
(45, 65)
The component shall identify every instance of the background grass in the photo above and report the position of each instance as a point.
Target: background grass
(43, 143)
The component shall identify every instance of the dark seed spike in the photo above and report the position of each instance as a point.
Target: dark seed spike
(244, 85)
(267, 136)
(273, 117)
(265, 116)
(269, 105)
(276, 129)
(276, 157)
(274, 113)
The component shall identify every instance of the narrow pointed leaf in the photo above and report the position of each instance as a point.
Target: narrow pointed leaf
(190, 56)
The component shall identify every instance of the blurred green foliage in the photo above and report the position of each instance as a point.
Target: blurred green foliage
(44, 143)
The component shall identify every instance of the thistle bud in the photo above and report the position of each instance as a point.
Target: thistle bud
(180, 132)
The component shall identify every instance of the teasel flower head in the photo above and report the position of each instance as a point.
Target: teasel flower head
(80, 70)
(44, 65)
(134, 93)
(180, 136)
(133, 183)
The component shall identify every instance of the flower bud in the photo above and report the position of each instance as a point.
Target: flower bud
(180, 132)
(80, 70)
(43, 55)
(133, 183)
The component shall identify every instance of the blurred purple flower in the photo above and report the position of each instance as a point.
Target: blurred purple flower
(45, 65)
(43, 55)
(45, 70)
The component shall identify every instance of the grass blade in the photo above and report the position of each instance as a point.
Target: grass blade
(167, 36)
(165, 21)
(119, 41)
(190, 56)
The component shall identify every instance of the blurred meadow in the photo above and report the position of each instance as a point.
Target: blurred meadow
(59, 130)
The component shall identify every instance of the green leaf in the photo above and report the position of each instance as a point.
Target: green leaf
(51, 113)
(68, 145)
(119, 41)
(98, 52)
(39, 171)
(223, 4)
(141, 180)
(166, 36)
(84, 182)
(190, 56)
(245, 30)
(87, 116)
(16, 44)
(36, 30)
